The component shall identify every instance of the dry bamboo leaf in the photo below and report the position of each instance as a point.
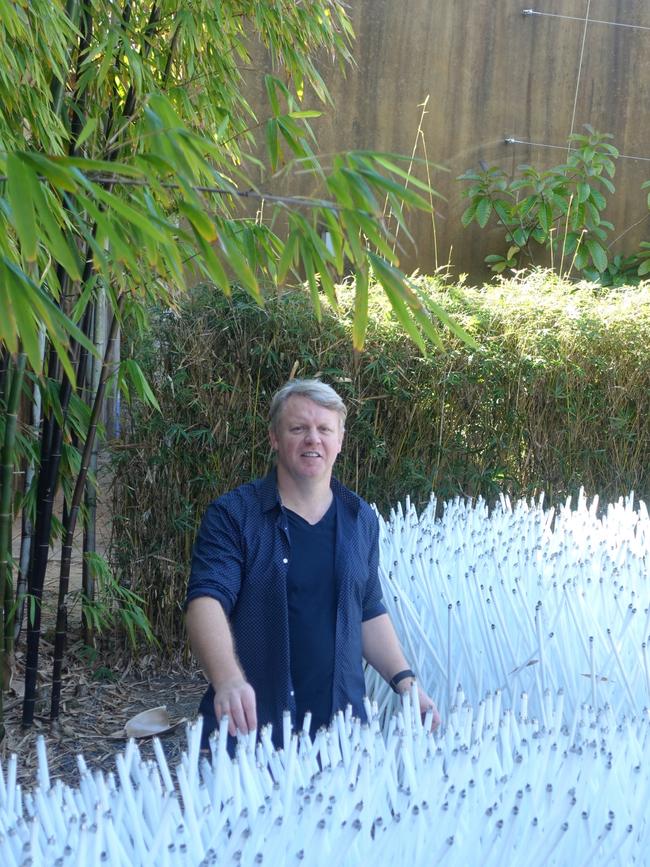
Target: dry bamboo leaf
(148, 723)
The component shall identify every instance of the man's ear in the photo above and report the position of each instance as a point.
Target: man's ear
(273, 439)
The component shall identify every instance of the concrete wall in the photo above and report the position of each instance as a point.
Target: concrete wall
(492, 73)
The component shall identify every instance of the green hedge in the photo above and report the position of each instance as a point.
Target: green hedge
(558, 396)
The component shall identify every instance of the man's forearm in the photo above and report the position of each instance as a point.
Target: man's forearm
(211, 640)
(381, 647)
(212, 643)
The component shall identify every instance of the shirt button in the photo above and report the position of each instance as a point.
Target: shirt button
(285, 560)
(291, 693)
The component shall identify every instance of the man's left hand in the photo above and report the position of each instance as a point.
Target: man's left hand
(426, 703)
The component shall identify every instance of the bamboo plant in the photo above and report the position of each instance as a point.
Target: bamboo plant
(124, 133)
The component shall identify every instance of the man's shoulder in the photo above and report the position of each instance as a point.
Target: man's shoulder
(355, 503)
(257, 494)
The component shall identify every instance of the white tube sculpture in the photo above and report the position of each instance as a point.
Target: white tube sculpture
(529, 626)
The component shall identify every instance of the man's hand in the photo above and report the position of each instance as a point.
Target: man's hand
(236, 698)
(426, 703)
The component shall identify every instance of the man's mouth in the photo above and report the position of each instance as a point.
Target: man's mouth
(311, 454)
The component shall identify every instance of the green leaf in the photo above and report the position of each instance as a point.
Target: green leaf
(270, 83)
(89, 128)
(200, 221)
(131, 369)
(584, 191)
(137, 218)
(273, 143)
(230, 246)
(598, 254)
(394, 169)
(288, 256)
(213, 266)
(57, 174)
(402, 193)
(483, 211)
(394, 288)
(598, 199)
(468, 214)
(60, 249)
(455, 327)
(20, 188)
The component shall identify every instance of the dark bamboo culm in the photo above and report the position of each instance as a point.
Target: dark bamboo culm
(14, 373)
(66, 549)
(50, 458)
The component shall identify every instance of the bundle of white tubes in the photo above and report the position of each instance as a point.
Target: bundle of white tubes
(530, 629)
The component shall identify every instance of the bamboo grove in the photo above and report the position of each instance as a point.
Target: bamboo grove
(126, 160)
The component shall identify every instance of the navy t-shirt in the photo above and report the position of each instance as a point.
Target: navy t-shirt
(311, 598)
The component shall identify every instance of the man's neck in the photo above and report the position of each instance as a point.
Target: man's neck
(308, 498)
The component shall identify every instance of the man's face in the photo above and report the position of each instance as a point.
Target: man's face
(307, 438)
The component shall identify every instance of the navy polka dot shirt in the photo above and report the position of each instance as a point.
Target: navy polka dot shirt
(241, 557)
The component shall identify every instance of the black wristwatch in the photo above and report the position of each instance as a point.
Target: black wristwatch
(401, 675)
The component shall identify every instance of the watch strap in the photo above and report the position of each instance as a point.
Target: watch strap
(401, 675)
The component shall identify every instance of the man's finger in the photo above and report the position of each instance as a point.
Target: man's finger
(250, 711)
(238, 715)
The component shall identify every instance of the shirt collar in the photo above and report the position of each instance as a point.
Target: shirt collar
(270, 499)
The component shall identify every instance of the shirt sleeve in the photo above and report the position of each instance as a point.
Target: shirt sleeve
(217, 558)
(373, 604)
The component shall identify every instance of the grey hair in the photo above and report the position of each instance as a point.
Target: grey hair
(314, 389)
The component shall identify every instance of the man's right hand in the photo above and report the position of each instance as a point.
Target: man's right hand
(236, 698)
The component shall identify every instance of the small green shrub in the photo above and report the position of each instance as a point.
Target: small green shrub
(559, 210)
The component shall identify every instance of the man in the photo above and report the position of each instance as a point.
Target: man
(284, 597)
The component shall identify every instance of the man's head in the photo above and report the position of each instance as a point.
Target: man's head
(317, 391)
(307, 422)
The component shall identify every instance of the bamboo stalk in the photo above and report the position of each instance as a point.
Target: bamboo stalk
(51, 446)
(90, 534)
(6, 514)
(27, 524)
(73, 511)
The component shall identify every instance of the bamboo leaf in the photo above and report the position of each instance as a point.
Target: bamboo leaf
(131, 369)
(213, 266)
(288, 256)
(394, 289)
(240, 266)
(272, 143)
(56, 173)
(270, 83)
(391, 167)
(199, 220)
(455, 328)
(402, 193)
(8, 327)
(20, 190)
(59, 247)
(137, 218)
(89, 128)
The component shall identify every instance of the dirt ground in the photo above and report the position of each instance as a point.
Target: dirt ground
(99, 695)
(95, 711)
